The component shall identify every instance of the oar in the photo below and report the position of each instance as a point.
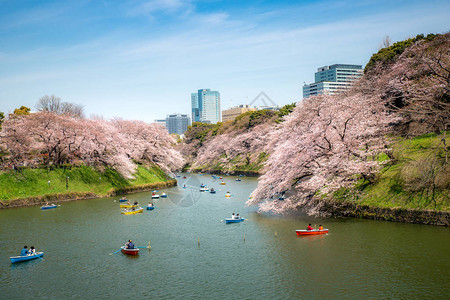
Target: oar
(115, 252)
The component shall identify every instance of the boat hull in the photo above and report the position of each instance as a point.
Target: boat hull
(150, 207)
(49, 207)
(129, 251)
(123, 200)
(155, 196)
(132, 212)
(212, 192)
(163, 196)
(229, 220)
(128, 205)
(311, 232)
(16, 259)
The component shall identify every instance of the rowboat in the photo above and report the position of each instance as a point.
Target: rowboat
(164, 195)
(150, 207)
(238, 179)
(123, 200)
(212, 191)
(155, 196)
(16, 259)
(230, 220)
(134, 251)
(227, 195)
(49, 206)
(311, 232)
(132, 212)
(128, 205)
(203, 189)
(222, 183)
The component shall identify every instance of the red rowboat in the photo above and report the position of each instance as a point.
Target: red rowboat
(134, 251)
(311, 232)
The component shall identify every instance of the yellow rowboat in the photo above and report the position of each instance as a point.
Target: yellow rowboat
(128, 205)
(132, 212)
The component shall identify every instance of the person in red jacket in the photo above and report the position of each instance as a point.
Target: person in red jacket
(309, 227)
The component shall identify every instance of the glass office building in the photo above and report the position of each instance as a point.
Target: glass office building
(333, 79)
(206, 106)
(177, 123)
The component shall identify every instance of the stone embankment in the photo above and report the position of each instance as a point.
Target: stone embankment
(348, 209)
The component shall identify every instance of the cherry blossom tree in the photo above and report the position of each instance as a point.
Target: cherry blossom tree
(328, 142)
(225, 148)
(49, 138)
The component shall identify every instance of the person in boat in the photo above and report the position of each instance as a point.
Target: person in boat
(128, 202)
(129, 245)
(309, 227)
(233, 216)
(136, 203)
(32, 251)
(24, 251)
(238, 217)
(150, 204)
(212, 189)
(320, 227)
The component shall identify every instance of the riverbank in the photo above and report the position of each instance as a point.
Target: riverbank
(37, 186)
(392, 214)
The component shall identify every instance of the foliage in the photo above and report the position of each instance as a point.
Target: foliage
(326, 143)
(284, 111)
(54, 104)
(23, 110)
(2, 118)
(391, 53)
(51, 139)
(417, 177)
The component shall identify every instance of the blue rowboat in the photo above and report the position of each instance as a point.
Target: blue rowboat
(49, 206)
(163, 195)
(123, 200)
(212, 191)
(237, 179)
(150, 207)
(16, 259)
(230, 220)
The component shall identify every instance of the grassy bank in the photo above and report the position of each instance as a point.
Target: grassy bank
(418, 178)
(76, 182)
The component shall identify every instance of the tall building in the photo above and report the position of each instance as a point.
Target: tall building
(161, 121)
(233, 112)
(177, 123)
(206, 106)
(333, 79)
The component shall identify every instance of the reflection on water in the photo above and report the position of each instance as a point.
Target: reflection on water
(357, 259)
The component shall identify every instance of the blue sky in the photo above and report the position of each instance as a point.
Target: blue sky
(142, 59)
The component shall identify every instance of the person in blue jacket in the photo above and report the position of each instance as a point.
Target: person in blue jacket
(130, 245)
(24, 251)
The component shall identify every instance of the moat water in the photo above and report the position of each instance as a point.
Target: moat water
(194, 254)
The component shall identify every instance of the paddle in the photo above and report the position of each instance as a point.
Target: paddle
(115, 252)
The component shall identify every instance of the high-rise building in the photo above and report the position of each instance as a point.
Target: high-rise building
(206, 106)
(177, 123)
(333, 79)
(161, 121)
(233, 112)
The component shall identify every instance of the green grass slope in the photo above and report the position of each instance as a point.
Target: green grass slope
(29, 183)
(418, 177)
